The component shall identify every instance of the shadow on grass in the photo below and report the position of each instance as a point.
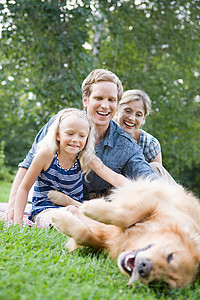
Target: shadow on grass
(88, 252)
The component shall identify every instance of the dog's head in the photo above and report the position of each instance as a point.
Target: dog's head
(171, 258)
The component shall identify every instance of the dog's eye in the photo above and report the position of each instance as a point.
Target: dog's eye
(169, 257)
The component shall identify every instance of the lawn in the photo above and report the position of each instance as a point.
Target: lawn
(35, 265)
(4, 191)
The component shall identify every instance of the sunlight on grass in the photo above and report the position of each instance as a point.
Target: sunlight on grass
(35, 265)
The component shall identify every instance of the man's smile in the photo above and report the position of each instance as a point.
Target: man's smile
(103, 114)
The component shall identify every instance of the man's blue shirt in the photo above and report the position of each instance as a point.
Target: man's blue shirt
(120, 152)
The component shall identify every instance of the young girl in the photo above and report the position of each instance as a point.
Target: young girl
(66, 151)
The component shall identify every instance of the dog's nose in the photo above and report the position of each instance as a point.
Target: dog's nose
(144, 268)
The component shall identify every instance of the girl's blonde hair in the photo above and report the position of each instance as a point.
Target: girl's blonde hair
(137, 95)
(52, 143)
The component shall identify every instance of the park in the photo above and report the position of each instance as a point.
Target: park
(47, 49)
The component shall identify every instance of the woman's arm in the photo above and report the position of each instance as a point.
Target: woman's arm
(106, 173)
(40, 161)
(158, 158)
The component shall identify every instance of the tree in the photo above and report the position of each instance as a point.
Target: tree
(43, 65)
(150, 45)
(154, 46)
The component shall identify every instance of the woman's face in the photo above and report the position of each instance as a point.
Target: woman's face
(131, 116)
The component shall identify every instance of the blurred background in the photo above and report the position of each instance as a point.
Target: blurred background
(48, 47)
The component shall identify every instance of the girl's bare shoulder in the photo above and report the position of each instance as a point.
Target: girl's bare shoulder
(45, 155)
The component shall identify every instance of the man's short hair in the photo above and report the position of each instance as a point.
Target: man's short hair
(99, 75)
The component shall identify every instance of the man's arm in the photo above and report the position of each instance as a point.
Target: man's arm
(16, 183)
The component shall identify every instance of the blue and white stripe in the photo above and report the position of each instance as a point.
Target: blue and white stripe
(68, 181)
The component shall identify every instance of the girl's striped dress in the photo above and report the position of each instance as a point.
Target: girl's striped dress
(68, 181)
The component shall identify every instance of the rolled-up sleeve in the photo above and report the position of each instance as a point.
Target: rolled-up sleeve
(137, 167)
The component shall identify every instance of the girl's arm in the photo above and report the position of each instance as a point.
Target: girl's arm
(39, 163)
(106, 173)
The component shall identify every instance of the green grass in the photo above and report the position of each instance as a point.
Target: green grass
(35, 265)
(4, 191)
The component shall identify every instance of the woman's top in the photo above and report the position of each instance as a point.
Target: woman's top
(150, 145)
(68, 181)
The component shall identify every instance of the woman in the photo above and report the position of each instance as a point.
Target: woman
(131, 114)
(133, 109)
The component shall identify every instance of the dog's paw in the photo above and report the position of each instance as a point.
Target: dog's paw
(55, 197)
(61, 220)
(72, 245)
(67, 222)
(56, 219)
(61, 199)
(92, 208)
(88, 208)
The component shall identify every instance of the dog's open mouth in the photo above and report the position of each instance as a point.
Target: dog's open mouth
(126, 260)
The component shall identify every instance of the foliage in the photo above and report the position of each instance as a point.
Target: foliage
(49, 61)
(4, 170)
(43, 64)
(155, 47)
(150, 45)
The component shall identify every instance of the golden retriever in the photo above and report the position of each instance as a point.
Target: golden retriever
(153, 229)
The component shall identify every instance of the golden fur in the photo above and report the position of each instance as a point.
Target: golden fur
(151, 227)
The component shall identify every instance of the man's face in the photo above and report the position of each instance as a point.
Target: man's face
(101, 105)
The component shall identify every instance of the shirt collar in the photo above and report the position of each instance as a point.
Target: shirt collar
(108, 139)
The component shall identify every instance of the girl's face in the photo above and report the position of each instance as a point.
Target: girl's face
(72, 135)
(101, 105)
(131, 116)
